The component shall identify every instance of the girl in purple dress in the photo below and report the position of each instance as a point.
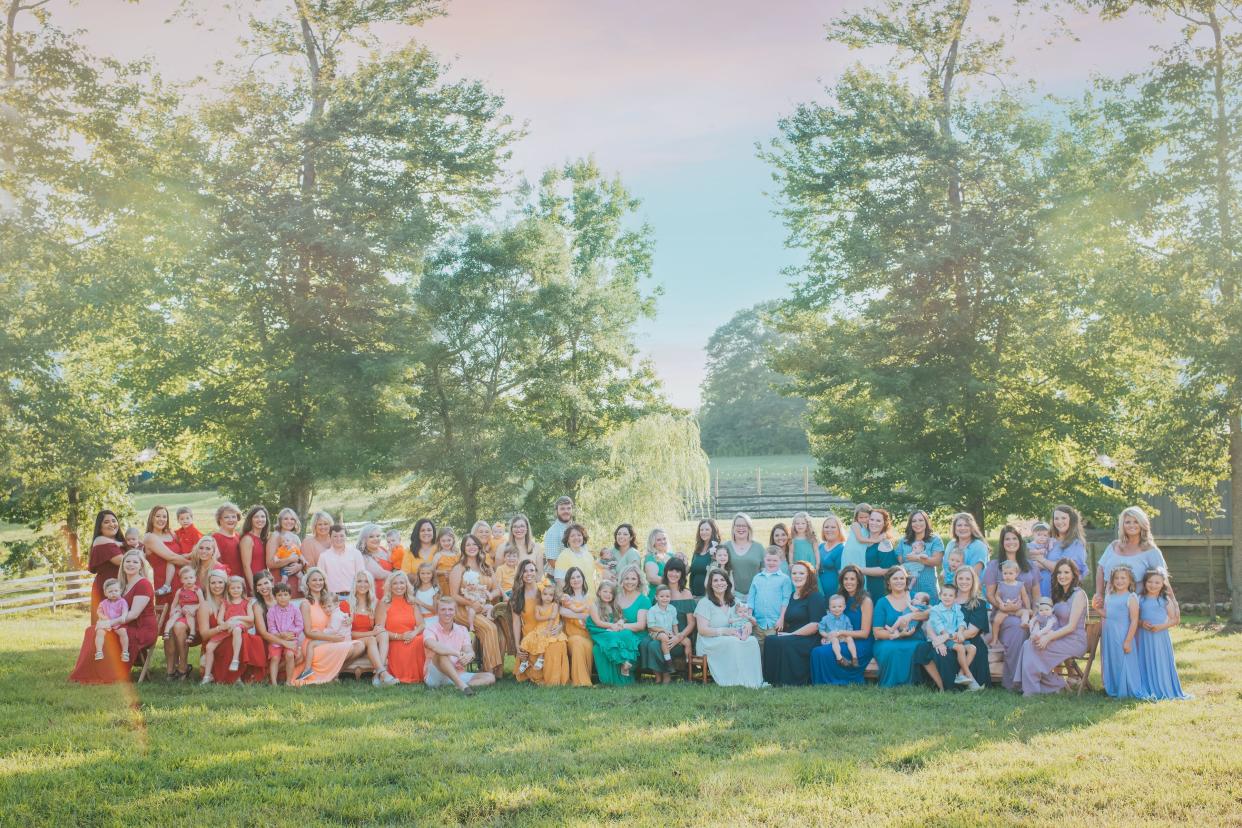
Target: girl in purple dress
(1042, 653)
(1158, 611)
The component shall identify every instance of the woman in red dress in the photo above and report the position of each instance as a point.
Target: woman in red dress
(139, 622)
(252, 550)
(228, 541)
(213, 620)
(107, 549)
(164, 554)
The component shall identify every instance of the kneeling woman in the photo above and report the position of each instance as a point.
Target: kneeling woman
(787, 656)
(725, 636)
(616, 625)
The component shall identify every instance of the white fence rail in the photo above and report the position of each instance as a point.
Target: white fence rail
(59, 589)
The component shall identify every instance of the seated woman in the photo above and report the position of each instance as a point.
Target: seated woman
(398, 616)
(1001, 597)
(474, 607)
(1043, 652)
(575, 610)
(900, 646)
(975, 614)
(365, 606)
(787, 655)
(522, 606)
(825, 669)
(650, 651)
(725, 637)
(138, 622)
(331, 651)
(617, 623)
(232, 650)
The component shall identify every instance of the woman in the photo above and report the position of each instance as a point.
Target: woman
(832, 544)
(900, 651)
(319, 540)
(398, 616)
(520, 538)
(881, 555)
(706, 539)
(288, 529)
(491, 656)
(364, 605)
(228, 540)
(211, 621)
(745, 555)
(205, 558)
(859, 608)
(1134, 547)
(1042, 653)
(165, 557)
(139, 622)
(920, 552)
(332, 652)
(522, 605)
(177, 639)
(252, 551)
(575, 610)
(374, 556)
(657, 556)
(787, 656)
(107, 550)
(968, 540)
(650, 654)
(617, 633)
(1068, 541)
(483, 531)
(422, 548)
(1012, 632)
(624, 554)
(975, 614)
(725, 637)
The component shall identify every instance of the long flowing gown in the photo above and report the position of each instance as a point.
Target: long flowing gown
(252, 663)
(329, 656)
(787, 657)
(142, 634)
(732, 661)
(579, 645)
(897, 658)
(824, 666)
(1012, 634)
(407, 660)
(1157, 668)
(1036, 666)
(555, 669)
(1120, 670)
(612, 648)
(161, 576)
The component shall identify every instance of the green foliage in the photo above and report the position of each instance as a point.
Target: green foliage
(743, 410)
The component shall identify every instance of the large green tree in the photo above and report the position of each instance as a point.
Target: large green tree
(950, 360)
(744, 412)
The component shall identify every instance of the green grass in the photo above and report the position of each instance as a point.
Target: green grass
(684, 755)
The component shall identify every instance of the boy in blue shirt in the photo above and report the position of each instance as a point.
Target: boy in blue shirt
(769, 595)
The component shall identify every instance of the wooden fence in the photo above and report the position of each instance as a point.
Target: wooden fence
(58, 589)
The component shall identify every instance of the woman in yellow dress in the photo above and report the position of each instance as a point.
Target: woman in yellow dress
(575, 610)
(522, 606)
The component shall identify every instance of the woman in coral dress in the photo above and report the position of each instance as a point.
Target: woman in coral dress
(396, 613)
(331, 652)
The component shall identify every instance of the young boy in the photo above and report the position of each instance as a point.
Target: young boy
(952, 564)
(186, 533)
(769, 594)
(832, 625)
(285, 622)
(947, 633)
(507, 571)
(662, 626)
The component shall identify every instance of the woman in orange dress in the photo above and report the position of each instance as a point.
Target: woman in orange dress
(397, 616)
(484, 627)
(522, 604)
(574, 612)
(331, 651)
(365, 607)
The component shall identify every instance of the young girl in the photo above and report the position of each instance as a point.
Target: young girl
(1044, 621)
(426, 591)
(857, 538)
(721, 557)
(1009, 590)
(112, 610)
(235, 614)
(285, 545)
(185, 604)
(779, 538)
(445, 558)
(1158, 611)
(662, 626)
(802, 546)
(548, 628)
(1117, 653)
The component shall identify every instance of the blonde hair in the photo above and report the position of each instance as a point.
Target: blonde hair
(315, 518)
(651, 536)
(326, 599)
(611, 610)
(280, 520)
(364, 534)
(840, 528)
(143, 572)
(1129, 573)
(234, 579)
(213, 607)
(808, 535)
(399, 575)
(975, 534)
(750, 525)
(638, 573)
(1144, 522)
(973, 600)
(372, 601)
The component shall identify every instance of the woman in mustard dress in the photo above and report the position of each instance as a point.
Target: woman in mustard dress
(575, 610)
(522, 605)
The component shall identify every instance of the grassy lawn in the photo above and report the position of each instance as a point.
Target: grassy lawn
(685, 755)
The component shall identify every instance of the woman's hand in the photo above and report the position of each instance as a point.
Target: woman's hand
(1097, 603)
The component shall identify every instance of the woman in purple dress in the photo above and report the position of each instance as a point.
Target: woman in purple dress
(1042, 653)
(1012, 633)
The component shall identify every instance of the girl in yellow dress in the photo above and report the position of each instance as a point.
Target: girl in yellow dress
(548, 627)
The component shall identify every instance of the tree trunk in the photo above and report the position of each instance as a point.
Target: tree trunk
(7, 154)
(298, 497)
(976, 509)
(1235, 512)
(73, 522)
(1211, 576)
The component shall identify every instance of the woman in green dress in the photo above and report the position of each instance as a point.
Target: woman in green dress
(650, 654)
(881, 554)
(618, 619)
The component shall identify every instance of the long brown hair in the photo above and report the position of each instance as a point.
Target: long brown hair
(151, 519)
(517, 600)
(1059, 594)
(857, 598)
(728, 598)
(811, 585)
(248, 522)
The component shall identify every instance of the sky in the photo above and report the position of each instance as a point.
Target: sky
(670, 96)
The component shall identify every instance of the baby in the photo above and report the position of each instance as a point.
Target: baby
(919, 602)
(112, 610)
(340, 623)
(1010, 591)
(1044, 621)
(472, 589)
(662, 623)
(947, 632)
(952, 565)
(284, 621)
(1040, 542)
(288, 553)
(185, 603)
(832, 625)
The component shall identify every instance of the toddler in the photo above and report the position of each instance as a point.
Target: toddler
(1010, 591)
(234, 615)
(185, 604)
(1044, 621)
(547, 619)
(662, 625)
(472, 589)
(832, 625)
(340, 623)
(857, 537)
(186, 533)
(507, 572)
(1040, 541)
(947, 632)
(288, 552)
(919, 602)
(112, 610)
(285, 622)
(952, 564)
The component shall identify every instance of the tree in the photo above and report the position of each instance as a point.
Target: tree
(743, 411)
(325, 188)
(1180, 119)
(949, 360)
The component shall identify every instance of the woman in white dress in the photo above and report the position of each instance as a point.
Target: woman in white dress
(724, 636)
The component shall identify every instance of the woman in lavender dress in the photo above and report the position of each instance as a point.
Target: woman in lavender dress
(1012, 633)
(1068, 541)
(1042, 653)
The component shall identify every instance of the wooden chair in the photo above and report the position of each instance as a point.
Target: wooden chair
(699, 663)
(1076, 670)
(144, 657)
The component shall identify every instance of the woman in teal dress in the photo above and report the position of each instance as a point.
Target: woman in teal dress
(978, 627)
(881, 555)
(657, 556)
(707, 538)
(920, 551)
(616, 626)
(831, 547)
(650, 653)
(899, 653)
(825, 669)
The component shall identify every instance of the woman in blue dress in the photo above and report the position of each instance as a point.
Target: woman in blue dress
(859, 609)
(1134, 547)
(920, 551)
(1158, 611)
(899, 652)
(1118, 655)
(830, 550)
(881, 555)
(968, 539)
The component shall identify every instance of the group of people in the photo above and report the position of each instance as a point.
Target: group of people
(262, 600)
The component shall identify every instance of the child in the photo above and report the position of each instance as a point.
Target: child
(662, 626)
(803, 543)
(832, 625)
(472, 589)
(919, 602)
(1010, 591)
(396, 549)
(507, 572)
(857, 538)
(288, 544)
(947, 627)
(426, 590)
(285, 622)
(1119, 659)
(111, 610)
(187, 534)
(235, 616)
(340, 623)
(185, 604)
(1158, 611)
(1040, 542)
(720, 556)
(954, 563)
(547, 618)
(1044, 621)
